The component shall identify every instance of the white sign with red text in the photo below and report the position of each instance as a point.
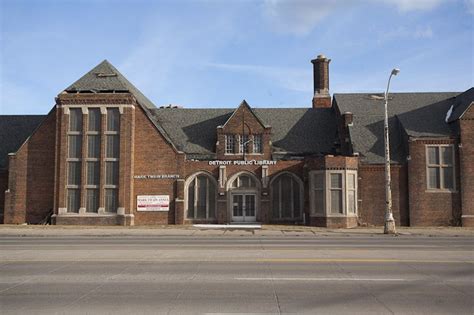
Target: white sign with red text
(153, 203)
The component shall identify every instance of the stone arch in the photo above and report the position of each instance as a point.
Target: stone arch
(230, 181)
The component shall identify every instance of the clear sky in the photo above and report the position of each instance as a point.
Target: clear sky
(216, 53)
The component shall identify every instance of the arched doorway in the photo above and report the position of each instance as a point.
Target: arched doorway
(243, 200)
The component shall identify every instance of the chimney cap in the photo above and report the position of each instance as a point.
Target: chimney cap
(321, 58)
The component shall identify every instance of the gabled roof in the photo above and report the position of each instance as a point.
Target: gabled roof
(246, 105)
(461, 104)
(295, 131)
(418, 114)
(105, 78)
(14, 130)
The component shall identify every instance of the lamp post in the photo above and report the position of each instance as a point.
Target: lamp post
(389, 226)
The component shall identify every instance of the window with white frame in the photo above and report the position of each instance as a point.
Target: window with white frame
(333, 192)
(201, 203)
(74, 160)
(257, 144)
(351, 192)
(440, 167)
(244, 144)
(229, 144)
(286, 197)
(112, 154)
(244, 181)
(317, 190)
(93, 160)
(335, 195)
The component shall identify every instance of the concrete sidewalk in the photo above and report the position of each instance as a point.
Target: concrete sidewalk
(189, 230)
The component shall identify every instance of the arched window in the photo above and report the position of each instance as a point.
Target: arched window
(244, 181)
(286, 197)
(201, 198)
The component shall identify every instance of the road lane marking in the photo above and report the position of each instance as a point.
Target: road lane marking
(237, 260)
(357, 260)
(323, 279)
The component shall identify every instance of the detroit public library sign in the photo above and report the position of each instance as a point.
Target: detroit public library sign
(241, 162)
(211, 163)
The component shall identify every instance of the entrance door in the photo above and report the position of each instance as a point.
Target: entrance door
(243, 208)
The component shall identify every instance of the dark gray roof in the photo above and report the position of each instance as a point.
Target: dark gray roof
(14, 130)
(245, 104)
(461, 104)
(105, 78)
(418, 114)
(296, 131)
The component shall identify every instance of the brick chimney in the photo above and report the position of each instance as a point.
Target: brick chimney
(347, 117)
(321, 97)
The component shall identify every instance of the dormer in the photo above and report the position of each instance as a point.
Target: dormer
(244, 136)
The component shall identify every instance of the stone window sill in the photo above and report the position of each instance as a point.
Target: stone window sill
(448, 191)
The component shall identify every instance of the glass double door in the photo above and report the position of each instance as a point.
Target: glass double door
(244, 207)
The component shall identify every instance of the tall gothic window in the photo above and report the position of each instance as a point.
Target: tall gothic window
(286, 197)
(93, 160)
(74, 160)
(201, 198)
(90, 157)
(112, 154)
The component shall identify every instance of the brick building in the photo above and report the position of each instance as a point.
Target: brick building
(106, 155)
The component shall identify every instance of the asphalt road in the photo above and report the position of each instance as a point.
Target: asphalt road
(170, 274)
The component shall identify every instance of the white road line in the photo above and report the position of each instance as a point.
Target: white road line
(322, 279)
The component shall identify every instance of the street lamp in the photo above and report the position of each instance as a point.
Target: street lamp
(389, 226)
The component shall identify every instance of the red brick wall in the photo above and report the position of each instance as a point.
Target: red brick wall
(153, 156)
(372, 194)
(31, 179)
(429, 208)
(466, 125)
(3, 187)
(264, 211)
(251, 126)
(264, 214)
